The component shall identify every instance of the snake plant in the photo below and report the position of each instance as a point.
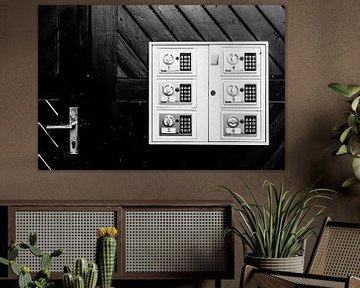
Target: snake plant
(348, 132)
(279, 228)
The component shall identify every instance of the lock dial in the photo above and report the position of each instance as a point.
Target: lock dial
(233, 121)
(232, 58)
(168, 59)
(168, 121)
(168, 90)
(232, 90)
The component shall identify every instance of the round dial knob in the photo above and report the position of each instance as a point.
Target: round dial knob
(168, 121)
(232, 90)
(233, 121)
(168, 90)
(233, 59)
(168, 59)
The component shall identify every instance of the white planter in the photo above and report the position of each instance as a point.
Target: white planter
(291, 264)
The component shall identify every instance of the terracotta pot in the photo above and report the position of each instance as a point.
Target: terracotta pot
(291, 264)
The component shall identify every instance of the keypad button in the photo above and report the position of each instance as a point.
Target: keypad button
(250, 124)
(185, 124)
(185, 61)
(185, 92)
(250, 61)
(250, 92)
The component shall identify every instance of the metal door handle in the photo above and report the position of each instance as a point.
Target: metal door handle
(73, 127)
(62, 126)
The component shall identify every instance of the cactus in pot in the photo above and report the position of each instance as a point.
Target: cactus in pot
(42, 278)
(106, 254)
(85, 275)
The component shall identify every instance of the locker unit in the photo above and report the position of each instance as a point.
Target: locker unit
(208, 93)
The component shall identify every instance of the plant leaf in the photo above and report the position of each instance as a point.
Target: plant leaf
(342, 150)
(345, 134)
(340, 88)
(351, 120)
(356, 167)
(353, 89)
(354, 143)
(4, 261)
(349, 182)
(355, 103)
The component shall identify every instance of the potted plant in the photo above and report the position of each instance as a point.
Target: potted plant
(276, 233)
(84, 274)
(42, 278)
(348, 132)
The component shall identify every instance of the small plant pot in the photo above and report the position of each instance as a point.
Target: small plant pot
(291, 264)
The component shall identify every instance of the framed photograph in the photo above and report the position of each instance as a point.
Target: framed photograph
(161, 87)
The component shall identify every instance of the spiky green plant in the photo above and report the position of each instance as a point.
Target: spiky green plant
(85, 274)
(42, 278)
(106, 254)
(279, 229)
(348, 132)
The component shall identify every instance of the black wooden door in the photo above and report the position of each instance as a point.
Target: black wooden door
(96, 58)
(69, 83)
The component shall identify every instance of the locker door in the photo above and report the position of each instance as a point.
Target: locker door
(178, 94)
(238, 111)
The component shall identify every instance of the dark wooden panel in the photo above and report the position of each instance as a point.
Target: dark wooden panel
(235, 29)
(104, 47)
(203, 23)
(132, 89)
(48, 23)
(128, 61)
(277, 90)
(48, 38)
(231, 24)
(120, 73)
(147, 19)
(49, 57)
(68, 45)
(276, 16)
(262, 31)
(132, 34)
(176, 23)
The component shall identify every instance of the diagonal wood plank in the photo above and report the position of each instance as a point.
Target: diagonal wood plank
(235, 29)
(176, 23)
(229, 22)
(203, 23)
(150, 23)
(263, 31)
(132, 34)
(276, 15)
(120, 73)
(128, 60)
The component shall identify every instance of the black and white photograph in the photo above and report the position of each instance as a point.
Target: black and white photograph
(161, 87)
(179, 144)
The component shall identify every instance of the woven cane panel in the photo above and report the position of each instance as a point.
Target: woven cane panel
(74, 231)
(175, 241)
(338, 253)
(306, 282)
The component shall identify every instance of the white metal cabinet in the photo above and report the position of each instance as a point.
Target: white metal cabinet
(212, 93)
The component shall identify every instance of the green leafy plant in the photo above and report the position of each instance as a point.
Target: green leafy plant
(42, 278)
(348, 132)
(279, 229)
